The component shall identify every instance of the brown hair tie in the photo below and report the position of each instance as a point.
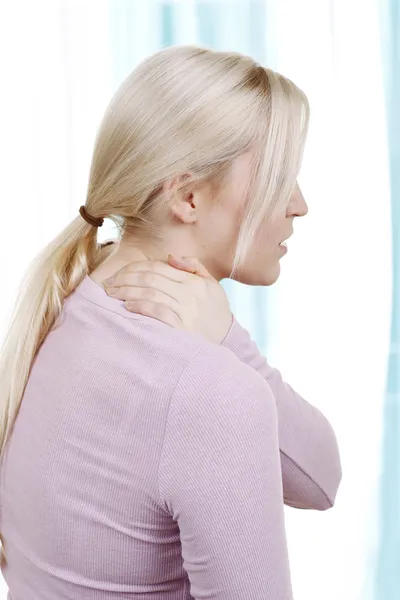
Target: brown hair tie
(95, 221)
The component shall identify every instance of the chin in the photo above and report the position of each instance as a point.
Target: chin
(264, 277)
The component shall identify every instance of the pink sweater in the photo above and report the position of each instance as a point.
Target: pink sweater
(148, 463)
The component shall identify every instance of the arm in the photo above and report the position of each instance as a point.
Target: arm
(220, 480)
(310, 459)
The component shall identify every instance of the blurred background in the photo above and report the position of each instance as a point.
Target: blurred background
(331, 323)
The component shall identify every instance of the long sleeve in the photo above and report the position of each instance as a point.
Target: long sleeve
(310, 460)
(220, 479)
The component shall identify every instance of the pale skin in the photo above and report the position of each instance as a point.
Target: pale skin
(154, 280)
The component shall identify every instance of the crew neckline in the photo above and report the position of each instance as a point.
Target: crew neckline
(95, 293)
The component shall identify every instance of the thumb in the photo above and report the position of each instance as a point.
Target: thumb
(191, 264)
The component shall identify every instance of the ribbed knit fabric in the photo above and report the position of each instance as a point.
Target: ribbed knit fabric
(147, 463)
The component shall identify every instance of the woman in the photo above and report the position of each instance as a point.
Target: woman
(148, 452)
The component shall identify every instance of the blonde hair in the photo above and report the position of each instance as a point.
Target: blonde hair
(184, 109)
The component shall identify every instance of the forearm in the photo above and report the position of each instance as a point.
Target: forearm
(310, 461)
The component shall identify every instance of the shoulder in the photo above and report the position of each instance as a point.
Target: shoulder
(217, 365)
(222, 417)
(215, 382)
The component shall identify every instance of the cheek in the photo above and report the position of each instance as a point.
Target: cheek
(224, 225)
(225, 237)
(218, 241)
(221, 231)
(264, 245)
(262, 264)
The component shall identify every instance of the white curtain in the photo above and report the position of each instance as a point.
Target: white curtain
(330, 321)
(325, 324)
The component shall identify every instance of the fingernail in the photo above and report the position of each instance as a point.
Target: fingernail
(110, 281)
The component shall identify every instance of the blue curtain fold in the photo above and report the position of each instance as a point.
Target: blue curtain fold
(388, 565)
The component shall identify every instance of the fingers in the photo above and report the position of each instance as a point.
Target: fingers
(127, 284)
(134, 292)
(191, 264)
(161, 312)
(157, 267)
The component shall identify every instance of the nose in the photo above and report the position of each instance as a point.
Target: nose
(297, 205)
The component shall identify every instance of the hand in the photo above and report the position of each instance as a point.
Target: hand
(181, 293)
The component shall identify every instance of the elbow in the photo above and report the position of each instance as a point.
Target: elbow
(335, 487)
(316, 500)
(333, 477)
(324, 503)
(327, 497)
(328, 474)
(311, 489)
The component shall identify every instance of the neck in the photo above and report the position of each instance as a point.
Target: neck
(126, 251)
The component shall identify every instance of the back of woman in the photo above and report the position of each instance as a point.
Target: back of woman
(147, 448)
(79, 498)
(111, 485)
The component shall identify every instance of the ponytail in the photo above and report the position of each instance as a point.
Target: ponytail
(53, 276)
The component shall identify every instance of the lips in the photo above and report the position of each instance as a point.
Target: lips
(283, 243)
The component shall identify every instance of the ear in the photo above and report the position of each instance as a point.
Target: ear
(183, 201)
